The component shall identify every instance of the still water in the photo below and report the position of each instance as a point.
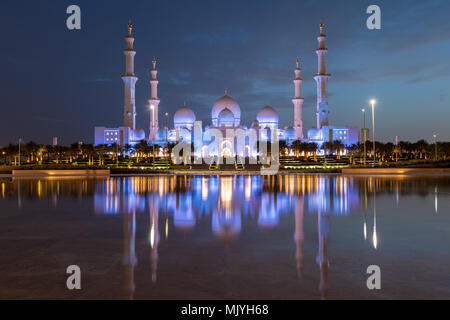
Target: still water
(230, 237)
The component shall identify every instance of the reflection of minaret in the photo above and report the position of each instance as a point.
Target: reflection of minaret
(375, 235)
(322, 81)
(365, 210)
(298, 103)
(129, 255)
(154, 237)
(436, 199)
(129, 80)
(322, 257)
(154, 101)
(299, 235)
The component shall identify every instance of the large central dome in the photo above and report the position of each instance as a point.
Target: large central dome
(226, 102)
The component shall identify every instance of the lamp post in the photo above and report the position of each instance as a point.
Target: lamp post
(20, 141)
(167, 130)
(364, 134)
(435, 147)
(153, 131)
(372, 102)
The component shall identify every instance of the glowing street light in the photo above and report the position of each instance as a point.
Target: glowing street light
(435, 147)
(364, 134)
(373, 102)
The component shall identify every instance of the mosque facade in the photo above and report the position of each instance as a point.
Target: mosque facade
(226, 116)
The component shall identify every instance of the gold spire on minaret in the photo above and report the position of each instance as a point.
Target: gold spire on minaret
(226, 91)
(130, 27)
(154, 63)
(298, 62)
(321, 26)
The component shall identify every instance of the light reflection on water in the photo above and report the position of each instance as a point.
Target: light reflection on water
(230, 204)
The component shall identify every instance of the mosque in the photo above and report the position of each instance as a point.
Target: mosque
(225, 114)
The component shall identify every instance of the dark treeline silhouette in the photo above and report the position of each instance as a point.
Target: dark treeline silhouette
(88, 154)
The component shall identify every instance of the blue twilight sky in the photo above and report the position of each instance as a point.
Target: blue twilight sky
(57, 82)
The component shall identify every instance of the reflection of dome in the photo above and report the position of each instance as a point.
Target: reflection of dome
(226, 229)
(267, 116)
(185, 225)
(138, 135)
(229, 103)
(184, 117)
(226, 118)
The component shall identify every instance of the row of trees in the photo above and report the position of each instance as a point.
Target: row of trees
(420, 150)
(32, 152)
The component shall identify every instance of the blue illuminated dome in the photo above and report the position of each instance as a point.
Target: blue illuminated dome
(226, 102)
(267, 117)
(290, 133)
(184, 118)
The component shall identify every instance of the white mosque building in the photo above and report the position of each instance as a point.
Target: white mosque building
(225, 114)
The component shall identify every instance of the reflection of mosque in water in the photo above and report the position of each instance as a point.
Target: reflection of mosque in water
(227, 203)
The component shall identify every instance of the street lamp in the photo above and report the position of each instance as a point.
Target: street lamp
(364, 134)
(167, 130)
(435, 147)
(152, 107)
(372, 102)
(20, 141)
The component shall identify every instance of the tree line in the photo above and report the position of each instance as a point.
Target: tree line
(32, 152)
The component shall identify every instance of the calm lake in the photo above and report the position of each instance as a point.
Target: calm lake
(226, 237)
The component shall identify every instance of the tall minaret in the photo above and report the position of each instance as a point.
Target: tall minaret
(322, 81)
(298, 103)
(154, 103)
(129, 80)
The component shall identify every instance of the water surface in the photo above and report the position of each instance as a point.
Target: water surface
(236, 237)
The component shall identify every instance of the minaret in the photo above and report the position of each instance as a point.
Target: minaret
(154, 101)
(322, 81)
(298, 103)
(129, 80)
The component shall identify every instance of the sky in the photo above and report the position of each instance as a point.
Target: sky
(63, 83)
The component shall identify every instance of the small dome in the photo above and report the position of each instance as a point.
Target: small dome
(138, 134)
(226, 118)
(267, 115)
(184, 117)
(289, 133)
(226, 102)
(161, 134)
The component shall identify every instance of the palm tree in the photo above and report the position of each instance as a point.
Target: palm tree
(338, 146)
(421, 147)
(328, 146)
(101, 149)
(89, 152)
(283, 147)
(127, 148)
(313, 148)
(31, 149)
(140, 149)
(352, 150)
